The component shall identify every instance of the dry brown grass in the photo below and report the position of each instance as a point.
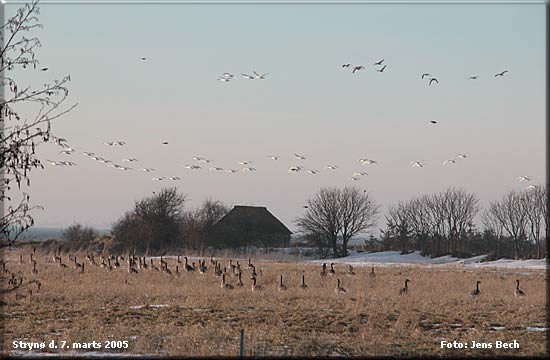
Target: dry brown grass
(202, 319)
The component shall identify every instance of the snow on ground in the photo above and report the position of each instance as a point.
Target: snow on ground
(394, 258)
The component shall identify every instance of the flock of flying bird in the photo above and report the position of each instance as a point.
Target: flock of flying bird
(246, 165)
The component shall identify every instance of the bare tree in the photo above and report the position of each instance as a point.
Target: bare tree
(333, 211)
(153, 224)
(20, 135)
(398, 225)
(322, 216)
(358, 212)
(534, 206)
(509, 212)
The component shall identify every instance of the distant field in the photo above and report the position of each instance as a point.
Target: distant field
(191, 315)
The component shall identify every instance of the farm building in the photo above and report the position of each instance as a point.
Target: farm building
(246, 226)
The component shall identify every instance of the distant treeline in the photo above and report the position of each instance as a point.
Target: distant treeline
(436, 225)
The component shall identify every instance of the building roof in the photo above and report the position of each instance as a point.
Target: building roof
(252, 218)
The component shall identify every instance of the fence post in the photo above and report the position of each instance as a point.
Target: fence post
(241, 351)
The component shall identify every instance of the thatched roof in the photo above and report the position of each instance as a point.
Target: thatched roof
(252, 218)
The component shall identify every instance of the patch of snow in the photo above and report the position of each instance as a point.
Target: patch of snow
(394, 258)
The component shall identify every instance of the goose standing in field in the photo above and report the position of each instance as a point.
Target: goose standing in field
(350, 270)
(281, 286)
(224, 285)
(324, 271)
(518, 292)
(34, 271)
(240, 282)
(339, 289)
(187, 266)
(332, 271)
(476, 291)
(372, 274)
(405, 290)
(303, 286)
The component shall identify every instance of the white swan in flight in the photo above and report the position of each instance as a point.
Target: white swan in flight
(248, 169)
(159, 178)
(359, 173)
(67, 151)
(461, 156)
(367, 161)
(114, 143)
(294, 169)
(215, 168)
(147, 169)
(245, 162)
(450, 161)
(331, 167)
(129, 160)
(232, 171)
(174, 178)
(192, 167)
(417, 163)
(313, 172)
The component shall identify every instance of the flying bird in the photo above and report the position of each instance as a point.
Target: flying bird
(216, 168)
(461, 156)
(174, 178)
(248, 76)
(473, 77)
(382, 70)
(245, 162)
(433, 121)
(359, 173)
(192, 167)
(159, 178)
(300, 157)
(417, 164)
(357, 68)
(143, 58)
(249, 169)
(523, 178)
(450, 161)
(294, 169)
(258, 76)
(346, 65)
(425, 74)
(129, 160)
(432, 80)
(165, 143)
(313, 172)
(147, 169)
(331, 167)
(501, 73)
(353, 178)
(367, 161)
(232, 171)
(272, 157)
(531, 187)
(379, 63)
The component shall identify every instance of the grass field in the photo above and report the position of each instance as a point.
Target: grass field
(191, 315)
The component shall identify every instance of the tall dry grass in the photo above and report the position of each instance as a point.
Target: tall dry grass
(202, 319)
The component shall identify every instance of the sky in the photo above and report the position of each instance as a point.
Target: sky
(308, 104)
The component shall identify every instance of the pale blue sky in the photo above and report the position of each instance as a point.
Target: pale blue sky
(308, 104)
